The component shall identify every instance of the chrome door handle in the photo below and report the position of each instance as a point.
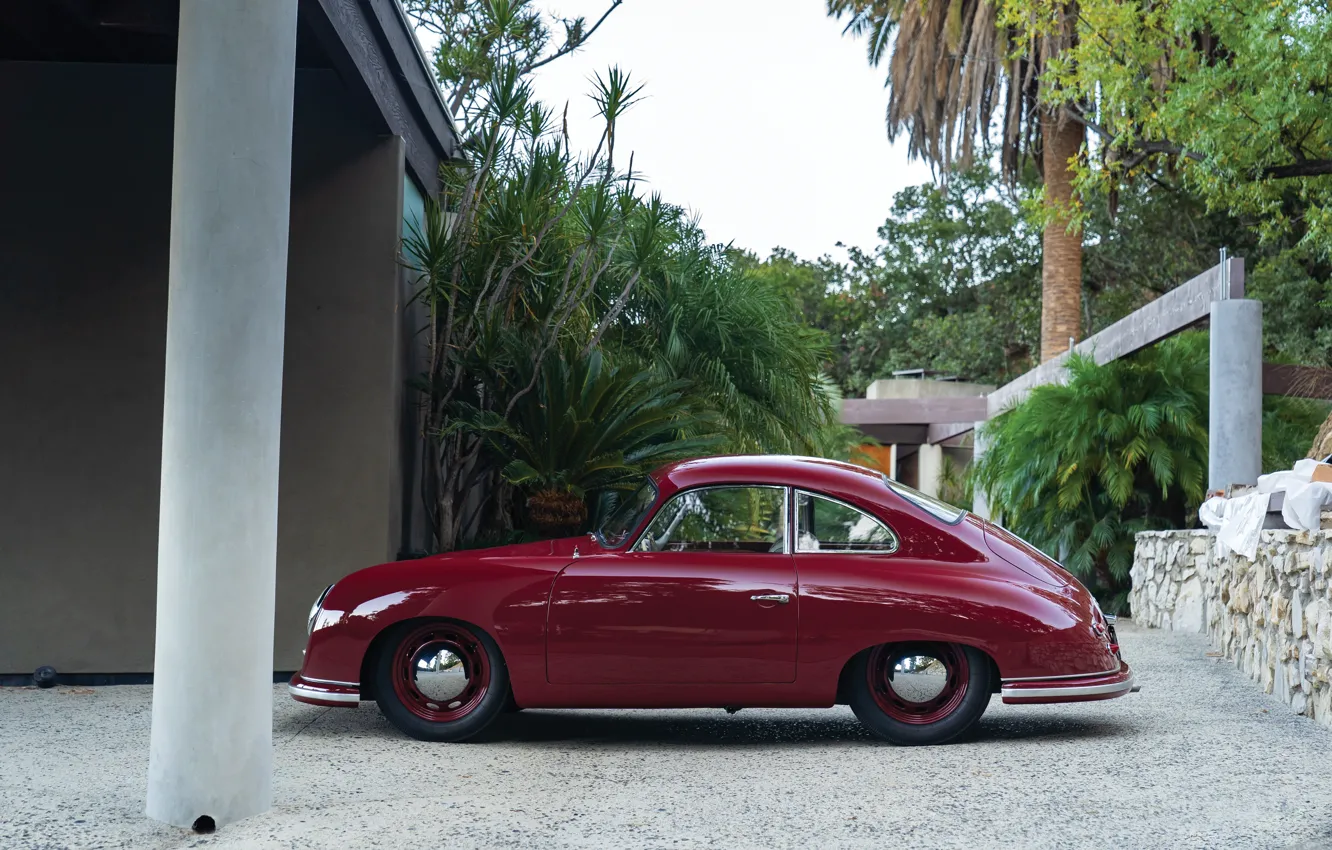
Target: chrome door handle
(779, 598)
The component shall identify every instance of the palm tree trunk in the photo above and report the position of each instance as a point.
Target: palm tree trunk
(1061, 266)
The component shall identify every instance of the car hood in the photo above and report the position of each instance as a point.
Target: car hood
(1007, 546)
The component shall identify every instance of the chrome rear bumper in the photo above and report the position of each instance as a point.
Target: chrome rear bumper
(1075, 688)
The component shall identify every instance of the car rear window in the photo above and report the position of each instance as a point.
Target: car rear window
(929, 504)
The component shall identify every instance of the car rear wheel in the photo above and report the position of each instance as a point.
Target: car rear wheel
(441, 680)
(920, 692)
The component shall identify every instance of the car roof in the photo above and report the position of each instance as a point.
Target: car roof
(811, 472)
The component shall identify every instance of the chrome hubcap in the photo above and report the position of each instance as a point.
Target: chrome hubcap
(919, 678)
(441, 677)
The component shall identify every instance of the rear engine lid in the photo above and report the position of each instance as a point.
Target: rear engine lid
(1012, 549)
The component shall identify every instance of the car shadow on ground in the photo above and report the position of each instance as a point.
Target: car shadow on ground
(749, 727)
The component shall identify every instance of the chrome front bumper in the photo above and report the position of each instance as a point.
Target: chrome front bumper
(324, 692)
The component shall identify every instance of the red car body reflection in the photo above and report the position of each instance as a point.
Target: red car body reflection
(583, 625)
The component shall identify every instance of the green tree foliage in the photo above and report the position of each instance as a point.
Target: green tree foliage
(1230, 98)
(1289, 426)
(1297, 306)
(1231, 102)
(954, 284)
(1079, 468)
(477, 38)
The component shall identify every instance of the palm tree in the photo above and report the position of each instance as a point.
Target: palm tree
(952, 66)
(1079, 468)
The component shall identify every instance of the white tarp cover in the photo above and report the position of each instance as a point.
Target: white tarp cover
(1244, 523)
(1305, 499)
(1238, 521)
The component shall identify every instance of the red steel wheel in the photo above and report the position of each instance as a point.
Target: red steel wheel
(441, 672)
(918, 683)
(921, 692)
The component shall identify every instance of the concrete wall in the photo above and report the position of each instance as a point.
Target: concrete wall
(923, 388)
(1272, 615)
(85, 177)
(340, 493)
(85, 174)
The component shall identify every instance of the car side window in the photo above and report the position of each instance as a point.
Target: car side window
(719, 519)
(826, 525)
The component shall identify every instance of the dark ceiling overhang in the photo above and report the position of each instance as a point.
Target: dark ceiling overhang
(371, 46)
(368, 43)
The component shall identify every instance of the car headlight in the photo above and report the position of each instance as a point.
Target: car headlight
(314, 610)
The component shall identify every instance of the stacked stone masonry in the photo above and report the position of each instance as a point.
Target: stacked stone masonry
(1272, 615)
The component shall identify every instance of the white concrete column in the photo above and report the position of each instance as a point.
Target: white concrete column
(980, 505)
(929, 464)
(212, 750)
(1235, 415)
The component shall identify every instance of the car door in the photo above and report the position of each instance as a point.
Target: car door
(708, 594)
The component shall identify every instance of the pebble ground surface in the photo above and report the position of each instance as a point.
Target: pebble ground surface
(1201, 758)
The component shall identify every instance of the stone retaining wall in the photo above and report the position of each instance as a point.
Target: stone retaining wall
(1272, 616)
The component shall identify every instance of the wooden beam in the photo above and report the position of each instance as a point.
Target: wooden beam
(1182, 307)
(913, 411)
(1297, 381)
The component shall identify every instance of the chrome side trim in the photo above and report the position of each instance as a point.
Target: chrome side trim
(331, 682)
(1082, 691)
(1052, 678)
(326, 696)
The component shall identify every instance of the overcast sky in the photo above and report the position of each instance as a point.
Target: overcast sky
(758, 115)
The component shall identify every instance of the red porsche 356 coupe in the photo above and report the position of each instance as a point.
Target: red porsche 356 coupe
(724, 582)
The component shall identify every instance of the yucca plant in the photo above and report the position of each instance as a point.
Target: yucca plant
(1078, 468)
(509, 264)
(587, 427)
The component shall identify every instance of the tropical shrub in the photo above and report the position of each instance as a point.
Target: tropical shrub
(1079, 468)
(701, 316)
(540, 274)
(589, 426)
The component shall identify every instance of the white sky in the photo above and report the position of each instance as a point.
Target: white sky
(758, 115)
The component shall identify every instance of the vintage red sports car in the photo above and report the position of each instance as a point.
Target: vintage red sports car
(724, 582)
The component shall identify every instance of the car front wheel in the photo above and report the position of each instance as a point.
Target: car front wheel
(920, 692)
(441, 680)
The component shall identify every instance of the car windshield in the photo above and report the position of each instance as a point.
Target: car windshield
(627, 515)
(935, 507)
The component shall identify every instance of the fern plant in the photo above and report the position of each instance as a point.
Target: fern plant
(1079, 468)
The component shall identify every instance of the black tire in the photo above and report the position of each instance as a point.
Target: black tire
(936, 720)
(409, 708)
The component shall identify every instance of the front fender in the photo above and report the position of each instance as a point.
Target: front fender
(504, 596)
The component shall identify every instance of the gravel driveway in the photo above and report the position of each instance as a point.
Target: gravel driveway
(1199, 758)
